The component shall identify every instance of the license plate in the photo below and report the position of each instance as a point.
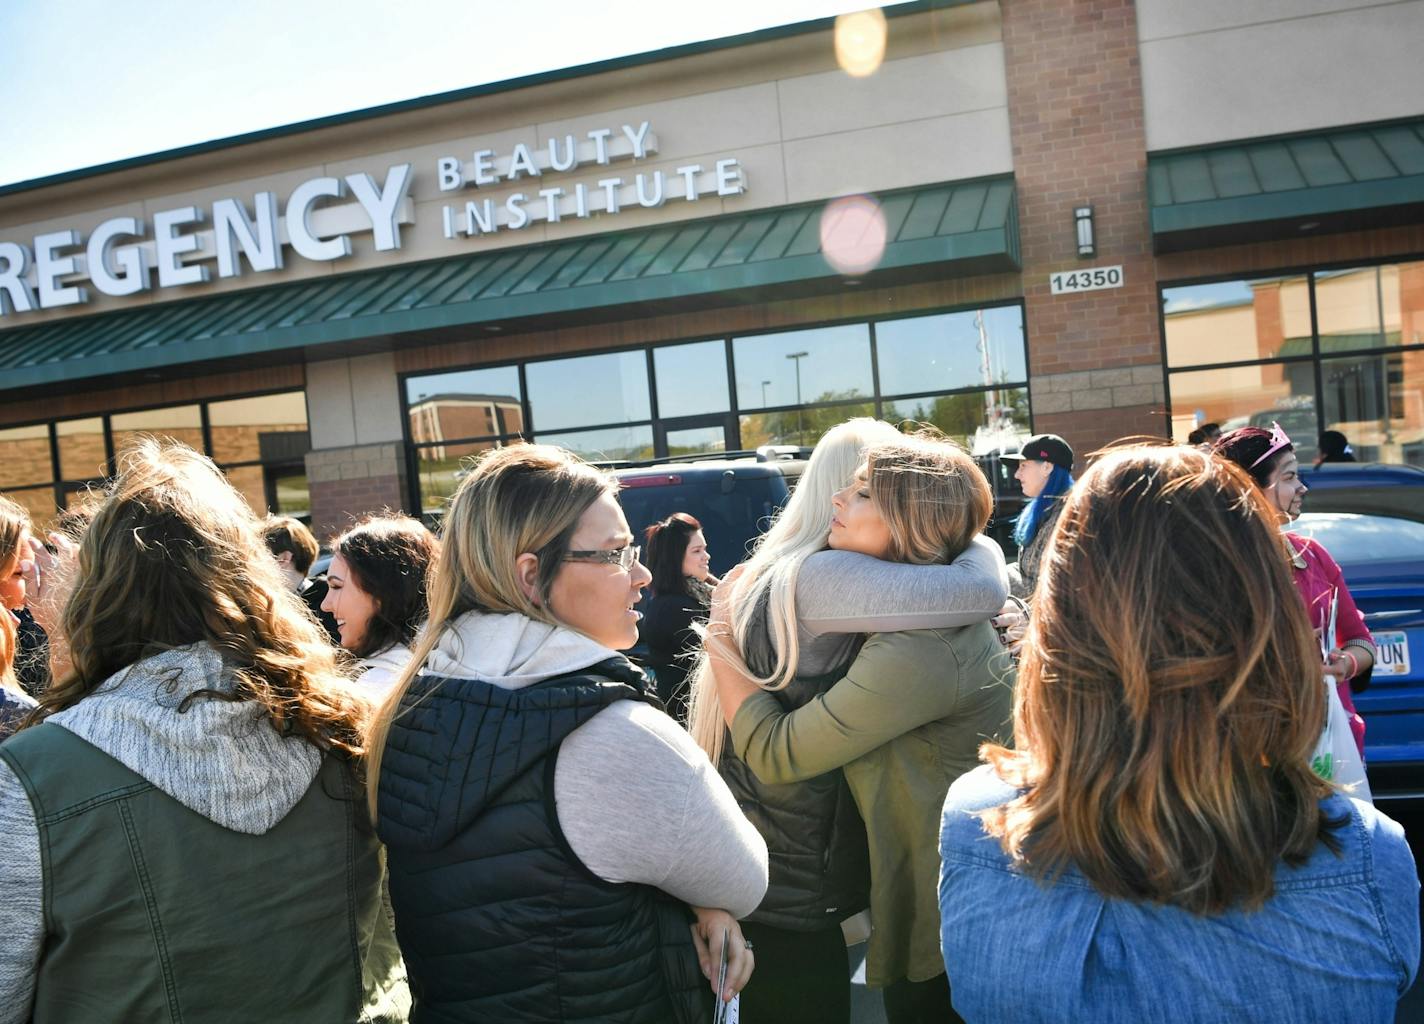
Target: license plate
(1391, 653)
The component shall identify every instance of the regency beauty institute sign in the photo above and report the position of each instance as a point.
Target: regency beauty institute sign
(570, 176)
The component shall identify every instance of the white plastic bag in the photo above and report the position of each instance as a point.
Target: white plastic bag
(1336, 757)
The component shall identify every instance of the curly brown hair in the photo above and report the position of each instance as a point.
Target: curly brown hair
(174, 556)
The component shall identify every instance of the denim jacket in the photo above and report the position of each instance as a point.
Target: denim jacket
(1339, 940)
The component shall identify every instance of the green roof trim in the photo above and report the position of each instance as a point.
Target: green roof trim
(1338, 180)
(966, 227)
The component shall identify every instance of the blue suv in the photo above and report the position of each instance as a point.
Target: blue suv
(1371, 520)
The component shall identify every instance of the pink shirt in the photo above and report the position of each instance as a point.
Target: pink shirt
(1316, 575)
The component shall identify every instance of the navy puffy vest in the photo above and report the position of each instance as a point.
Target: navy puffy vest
(497, 918)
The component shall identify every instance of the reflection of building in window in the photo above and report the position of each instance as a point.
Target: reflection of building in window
(450, 416)
(1370, 321)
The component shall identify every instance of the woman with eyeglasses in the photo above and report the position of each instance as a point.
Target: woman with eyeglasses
(547, 825)
(682, 592)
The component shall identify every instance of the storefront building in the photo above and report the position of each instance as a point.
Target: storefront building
(1094, 218)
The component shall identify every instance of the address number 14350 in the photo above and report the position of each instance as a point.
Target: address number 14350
(1086, 280)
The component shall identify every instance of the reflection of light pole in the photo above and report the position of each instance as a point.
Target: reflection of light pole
(763, 392)
(796, 358)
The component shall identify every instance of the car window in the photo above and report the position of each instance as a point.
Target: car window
(1352, 539)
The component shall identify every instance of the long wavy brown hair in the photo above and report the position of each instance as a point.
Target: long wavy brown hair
(14, 523)
(1169, 696)
(174, 556)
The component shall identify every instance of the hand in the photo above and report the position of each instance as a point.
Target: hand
(707, 934)
(49, 578)
(1340, 664)
(1012, 622)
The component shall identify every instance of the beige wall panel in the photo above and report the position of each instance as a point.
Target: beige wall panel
(353, 400)
(330, 411)
(1160, 19)
(1284, 76)
(950, 82)
(375, 398)
(711, 122)
(425, 182)
(897, 156)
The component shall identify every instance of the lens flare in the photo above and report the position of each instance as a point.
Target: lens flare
(853, 234)
(860, 42)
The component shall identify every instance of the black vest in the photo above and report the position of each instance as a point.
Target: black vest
(818, 863)
(497, 918)
(818, 858)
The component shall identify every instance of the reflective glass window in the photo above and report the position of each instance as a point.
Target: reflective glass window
(251, 483)
(692, 379)
(797, 426)
(469, 403)
(26, 459)
(613, 444)
(1237, 321)
(293, 493)
(588, 390)
(259, 429)
(1377, 402)
(81, 448)
(1254, 396)
(696, 439)
(803, 367)
(177, 423)
(440, 468)
(38, 502)
(977, 348)
(982, 421)
(1370, 307)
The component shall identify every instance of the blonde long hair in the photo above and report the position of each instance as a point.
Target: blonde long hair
(1169, 695)
(800, 530)
(525, 498)
(14, 522)
(174, 556)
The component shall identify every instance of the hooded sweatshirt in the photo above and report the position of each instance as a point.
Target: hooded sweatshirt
(637, 800)
(220, 759)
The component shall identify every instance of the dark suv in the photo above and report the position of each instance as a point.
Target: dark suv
(733, 496)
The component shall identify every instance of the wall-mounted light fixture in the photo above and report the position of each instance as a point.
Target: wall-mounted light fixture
(1083, 220)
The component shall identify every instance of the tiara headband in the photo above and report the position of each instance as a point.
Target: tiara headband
(1278, 441)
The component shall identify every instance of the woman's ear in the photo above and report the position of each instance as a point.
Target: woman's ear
(526, 571)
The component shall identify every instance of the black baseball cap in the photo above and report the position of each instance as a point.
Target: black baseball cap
(1044, 448)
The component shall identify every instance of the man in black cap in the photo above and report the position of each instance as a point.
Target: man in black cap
(1041, 457)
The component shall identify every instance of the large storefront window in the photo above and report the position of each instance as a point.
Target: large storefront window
(963, 372)
(260, 443)
(1335, 349)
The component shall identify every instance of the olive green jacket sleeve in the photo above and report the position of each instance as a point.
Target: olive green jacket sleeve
(889, 690)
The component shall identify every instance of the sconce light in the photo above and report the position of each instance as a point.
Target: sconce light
(1083, 220)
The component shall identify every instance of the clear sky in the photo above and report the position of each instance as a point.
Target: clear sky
(86, 82)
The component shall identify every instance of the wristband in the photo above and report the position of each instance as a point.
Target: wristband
(1354, 664)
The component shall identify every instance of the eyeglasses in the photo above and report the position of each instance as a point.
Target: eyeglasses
(625, 557)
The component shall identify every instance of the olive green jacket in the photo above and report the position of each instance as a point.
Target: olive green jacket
(904, 723)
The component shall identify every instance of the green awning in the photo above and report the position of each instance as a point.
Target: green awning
(1346, 179)
(950, 230)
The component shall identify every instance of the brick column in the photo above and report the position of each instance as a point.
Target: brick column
(1076, 122)
(349, 482)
